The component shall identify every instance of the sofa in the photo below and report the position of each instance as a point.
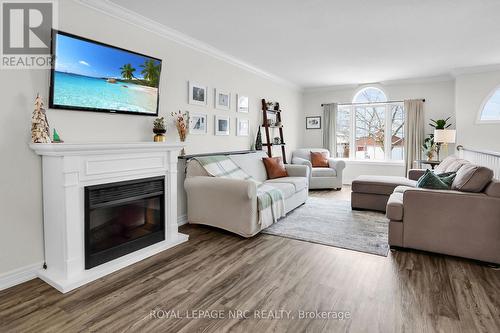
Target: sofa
(320, 178)
(231, 204)
(463, 221)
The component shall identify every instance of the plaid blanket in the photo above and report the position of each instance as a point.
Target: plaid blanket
(270, 201)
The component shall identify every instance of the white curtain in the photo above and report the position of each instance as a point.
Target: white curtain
(329, 121)
(414, 131)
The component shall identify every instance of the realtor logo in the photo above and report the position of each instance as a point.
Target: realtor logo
(26, 33)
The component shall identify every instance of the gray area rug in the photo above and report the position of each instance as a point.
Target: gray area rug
(332, 222)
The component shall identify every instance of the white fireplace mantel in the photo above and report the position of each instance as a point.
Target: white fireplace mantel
(67, 169)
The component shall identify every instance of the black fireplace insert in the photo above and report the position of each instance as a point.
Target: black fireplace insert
(123, 217)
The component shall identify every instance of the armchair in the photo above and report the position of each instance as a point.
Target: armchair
(320, 178)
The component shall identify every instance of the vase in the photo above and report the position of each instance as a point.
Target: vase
(159, 135)
(258, 140)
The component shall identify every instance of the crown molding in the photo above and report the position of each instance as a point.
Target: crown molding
(475, 69)
(116, 11)
(417, 80)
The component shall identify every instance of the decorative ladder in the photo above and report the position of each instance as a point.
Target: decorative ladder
(269, 144)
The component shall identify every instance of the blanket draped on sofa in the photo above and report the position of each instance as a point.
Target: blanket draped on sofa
(270, 201)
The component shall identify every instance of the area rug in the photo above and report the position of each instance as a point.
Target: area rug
(332, 222)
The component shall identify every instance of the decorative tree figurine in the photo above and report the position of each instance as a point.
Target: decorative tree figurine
(258, 141)
(56, 138)
(39, 124)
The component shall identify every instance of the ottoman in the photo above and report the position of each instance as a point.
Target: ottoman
(373, 192)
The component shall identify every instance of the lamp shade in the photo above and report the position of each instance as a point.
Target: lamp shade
(445, 136)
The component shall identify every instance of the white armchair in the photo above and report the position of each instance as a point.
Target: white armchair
(320, 178)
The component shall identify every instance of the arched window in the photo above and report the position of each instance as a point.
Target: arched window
(371, 128)
(369, 95)
(490, 112)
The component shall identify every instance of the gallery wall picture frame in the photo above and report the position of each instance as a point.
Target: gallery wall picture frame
(222, 99)
(198, 123)
(222, 125)
(197, 94)
(242, 127)
(242, 103)
(313, 122)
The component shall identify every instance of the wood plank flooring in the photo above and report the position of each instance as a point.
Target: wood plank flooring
(406, 291)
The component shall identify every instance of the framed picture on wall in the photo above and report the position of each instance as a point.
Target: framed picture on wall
(222, 99)
(197, 123)
(242, 127)
(221, 125)
(197, 94)
(313, 122)
(242, 104)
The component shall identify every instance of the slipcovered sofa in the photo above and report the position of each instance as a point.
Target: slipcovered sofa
(463, 221)
(320, 178)
(231, 204)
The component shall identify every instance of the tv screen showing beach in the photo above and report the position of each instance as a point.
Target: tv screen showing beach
(91, 76)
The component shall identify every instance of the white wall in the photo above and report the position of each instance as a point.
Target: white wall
(471, 91)
(20, 170)
(439, 103)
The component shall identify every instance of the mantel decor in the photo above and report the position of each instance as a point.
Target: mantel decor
(159, 130)
(39, 124)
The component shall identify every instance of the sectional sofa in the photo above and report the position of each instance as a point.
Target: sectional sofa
(463, 221)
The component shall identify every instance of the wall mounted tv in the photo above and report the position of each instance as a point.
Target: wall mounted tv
(92, 76)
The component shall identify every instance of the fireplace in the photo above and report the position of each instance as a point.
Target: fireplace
(123, 217)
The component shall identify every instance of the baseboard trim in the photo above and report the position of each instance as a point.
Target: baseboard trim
(181, 220)
(26, 273)
(19, 275)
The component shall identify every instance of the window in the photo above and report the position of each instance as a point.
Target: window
(369, 95)
(371, 128)
(490, 111)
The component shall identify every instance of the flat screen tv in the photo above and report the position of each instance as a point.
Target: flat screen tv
(92, 76)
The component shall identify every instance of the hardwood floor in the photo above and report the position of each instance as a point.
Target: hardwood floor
(215, 270)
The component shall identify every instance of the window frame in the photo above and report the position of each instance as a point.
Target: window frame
(387, 137)
(360, 91)
(480, 121)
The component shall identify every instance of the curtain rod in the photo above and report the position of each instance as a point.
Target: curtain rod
(388, 102)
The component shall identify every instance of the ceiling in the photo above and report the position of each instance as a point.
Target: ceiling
(317, 43)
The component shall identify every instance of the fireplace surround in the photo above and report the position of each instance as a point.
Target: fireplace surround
(75, 172)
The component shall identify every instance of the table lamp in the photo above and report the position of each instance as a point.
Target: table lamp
(444, 136)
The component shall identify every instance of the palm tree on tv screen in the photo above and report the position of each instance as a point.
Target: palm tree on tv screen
(127, 71)
(151, 72)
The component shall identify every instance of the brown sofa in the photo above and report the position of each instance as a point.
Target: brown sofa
(464, 221)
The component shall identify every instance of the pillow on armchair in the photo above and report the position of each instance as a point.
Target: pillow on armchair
(319, 160)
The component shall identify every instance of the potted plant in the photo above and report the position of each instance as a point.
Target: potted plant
(439, 124)
(429, 147)
(159, 130)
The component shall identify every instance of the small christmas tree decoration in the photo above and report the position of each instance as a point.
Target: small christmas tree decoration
(56, 138)
(39, 124)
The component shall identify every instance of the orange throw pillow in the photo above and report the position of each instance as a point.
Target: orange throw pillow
(319, 159)
(274, 167)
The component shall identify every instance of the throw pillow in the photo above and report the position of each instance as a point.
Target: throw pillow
(274, 167)
(319, 159)
(447, 177)
(472, 178)
(436, 182)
